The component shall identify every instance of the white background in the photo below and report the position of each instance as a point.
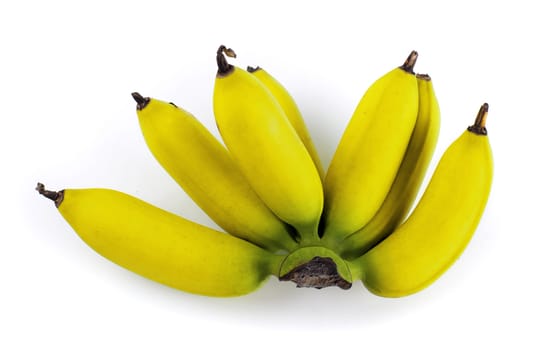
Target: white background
(66, 73)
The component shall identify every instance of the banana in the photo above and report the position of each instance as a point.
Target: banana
(162, 246)
(370, 152)
(267, 149)
(292, 111)
(409, 177)
(202, 166)
(441, 225)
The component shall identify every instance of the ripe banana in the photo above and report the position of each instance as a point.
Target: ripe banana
(162, 246)
(409, 177)
(293, 113)
(442, 223)
(202, 166)
(267, 148)
(370, 152)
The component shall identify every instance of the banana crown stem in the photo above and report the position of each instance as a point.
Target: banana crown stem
(55, 196)
(319, 272)
(479, 126)
(223, 66)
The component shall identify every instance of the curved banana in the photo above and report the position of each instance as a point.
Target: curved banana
(293, 113)
(370, 152)
(266, 148)
(202, 166)
(441, 225)
(409, 177)
(162, 246)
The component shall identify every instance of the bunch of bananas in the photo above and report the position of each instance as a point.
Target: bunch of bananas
(285, 216)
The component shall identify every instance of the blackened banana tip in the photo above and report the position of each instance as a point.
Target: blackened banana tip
(223, 66)
(142, 102)
(479, 126)
(410, 62)
(251, 69)
(55, 196)
(423, 76)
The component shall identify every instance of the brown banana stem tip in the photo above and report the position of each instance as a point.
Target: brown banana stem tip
(408, 66)
(142, 102)
(253, 69)
(479, 126)
(423, 77)
(56, 197)
(223, 66)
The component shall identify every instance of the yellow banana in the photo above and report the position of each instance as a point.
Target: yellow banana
(266, 148)
(409, 177)
(370, 152)
(293, 113)
(162, 246)
(441, 225)
(202, 166)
